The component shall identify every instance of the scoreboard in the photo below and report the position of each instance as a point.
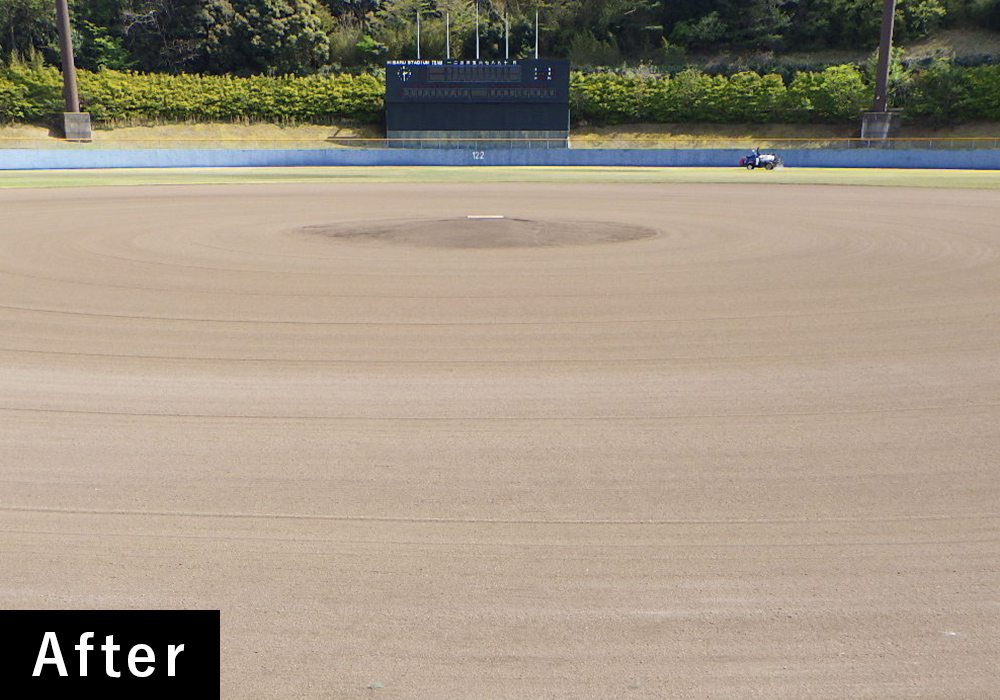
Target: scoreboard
(520, 80)
(519, 95)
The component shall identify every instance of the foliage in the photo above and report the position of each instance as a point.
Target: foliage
(178, 48)
(27, 26)
(835, 94)
(940, 93)
(356, 12)
(587, 50)
(370, 51)
(900, 75)
(838, 93)
(310, 36)
(985, 13)
(240, 36)
(34, 93)
(607, 98)
(29, 92)
(758, 24)
(94, 47)
(265, 36)
(938, 90)
(981, 86)
(700, 33)
(14, 102)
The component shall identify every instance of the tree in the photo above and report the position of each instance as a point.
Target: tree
(226, 36)
(265, 36)
(632, 27)
(98, 36)
(27, 26)
(358, 12)
(166, 35)
(810, 25)
(702, 32)
(920, 18)
(758, 24)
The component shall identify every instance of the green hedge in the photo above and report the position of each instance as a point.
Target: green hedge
(940, 92)
(835, 94)
(34, 93)
(949, 93)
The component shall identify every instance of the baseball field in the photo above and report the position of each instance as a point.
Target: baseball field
(486, 435)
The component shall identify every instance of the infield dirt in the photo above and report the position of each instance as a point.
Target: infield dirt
(751, 455)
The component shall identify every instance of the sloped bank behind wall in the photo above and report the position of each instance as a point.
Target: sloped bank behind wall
(85, 157)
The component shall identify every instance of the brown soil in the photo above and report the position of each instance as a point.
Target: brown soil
(484, 231)
(754, 455)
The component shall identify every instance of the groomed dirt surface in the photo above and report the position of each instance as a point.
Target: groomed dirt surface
(751, 453)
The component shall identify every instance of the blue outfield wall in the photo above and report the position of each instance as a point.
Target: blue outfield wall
(75, 158)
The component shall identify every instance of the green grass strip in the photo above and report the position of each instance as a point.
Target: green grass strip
(416, 174)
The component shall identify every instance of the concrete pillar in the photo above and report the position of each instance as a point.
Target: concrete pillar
(879, 125)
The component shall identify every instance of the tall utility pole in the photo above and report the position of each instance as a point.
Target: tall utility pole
(76, 125)
(70, 96)
(884, 54)
(878, 124)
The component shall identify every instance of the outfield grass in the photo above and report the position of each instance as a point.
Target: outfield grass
(791, 176)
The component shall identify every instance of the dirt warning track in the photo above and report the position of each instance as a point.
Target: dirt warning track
(687, 441)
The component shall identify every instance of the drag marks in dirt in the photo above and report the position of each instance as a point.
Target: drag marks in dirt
(588, 457)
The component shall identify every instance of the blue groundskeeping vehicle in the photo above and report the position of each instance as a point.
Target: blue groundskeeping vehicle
(756, 159)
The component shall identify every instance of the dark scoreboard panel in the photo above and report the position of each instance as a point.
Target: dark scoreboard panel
(508, 116)
(511, 95)
(518, 80)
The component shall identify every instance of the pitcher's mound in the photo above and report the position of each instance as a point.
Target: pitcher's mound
(486, 232)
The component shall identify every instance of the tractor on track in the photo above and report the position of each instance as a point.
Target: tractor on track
(756, 159)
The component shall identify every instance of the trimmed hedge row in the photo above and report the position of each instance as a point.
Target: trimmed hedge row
(835, 94)
(35, 93)
(941, 92)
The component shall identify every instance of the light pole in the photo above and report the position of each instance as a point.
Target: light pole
(877, 124)
(884, 54)
(536, 34)
(70, 96)
(76, 125)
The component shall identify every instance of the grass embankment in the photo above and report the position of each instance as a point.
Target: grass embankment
(325, 136)
(196, 136)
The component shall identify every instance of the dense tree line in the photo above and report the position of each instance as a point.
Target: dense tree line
(311, 36)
